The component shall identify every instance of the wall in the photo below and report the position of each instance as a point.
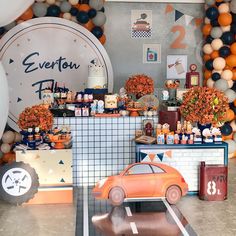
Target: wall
(126, 53)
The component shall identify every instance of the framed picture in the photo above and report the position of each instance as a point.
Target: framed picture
(180, 93)
(152, 53)
(176, 67)
(148, 127)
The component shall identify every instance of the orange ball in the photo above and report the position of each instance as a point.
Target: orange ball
(206, 57)
(206, 30)
(207, 74)
(214, 54)
(102, 39)
(89, 25)
(84, 7)
(233, 48)
(231, 60)
(229, 115)
(225, 19)
(27, 15)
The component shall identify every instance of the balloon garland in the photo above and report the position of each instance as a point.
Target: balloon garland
(219, 56)
(89, 14)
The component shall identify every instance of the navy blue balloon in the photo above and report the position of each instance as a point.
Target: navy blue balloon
(218, 3)
(74, 11)
(234, 86)
(97, 31)
(214, 23)
(212, 13)
(226, 129)
(232, 107)
(82, 17)
(215, 76)
(233, 17)
(209, 64)
(227, 38)
(224, 51)
(2, 30)
(233, 28)
(53, 10)
(209, 39)
(92, 13)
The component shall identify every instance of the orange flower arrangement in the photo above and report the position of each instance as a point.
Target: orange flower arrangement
(36, 116)
(204, 105)
(139, 85)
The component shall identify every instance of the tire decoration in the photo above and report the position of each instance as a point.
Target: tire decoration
(219, 56)
(18, 183)
(90, 14)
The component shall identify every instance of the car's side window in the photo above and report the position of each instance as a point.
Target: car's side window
(139, 169)
(157, 169)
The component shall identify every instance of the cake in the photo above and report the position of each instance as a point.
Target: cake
(96, 77)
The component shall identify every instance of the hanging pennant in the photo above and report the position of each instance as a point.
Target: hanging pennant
(188, 19)
(168, 153)
(142, 155)
(178, 15)
(160, 156)
(169, 9)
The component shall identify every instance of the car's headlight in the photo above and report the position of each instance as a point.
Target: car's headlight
(102, 182)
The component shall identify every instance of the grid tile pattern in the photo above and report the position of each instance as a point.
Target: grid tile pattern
(101, 146)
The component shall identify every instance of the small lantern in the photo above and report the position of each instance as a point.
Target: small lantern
(192, 77)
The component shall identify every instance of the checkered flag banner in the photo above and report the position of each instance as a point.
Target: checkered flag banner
(141, 34)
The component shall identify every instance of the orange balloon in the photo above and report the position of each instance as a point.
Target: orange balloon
(102, 39)
(225, 19)
(89, 25)
(77, 6)
(235, 102)
(229, 115)
(231, 60)
(233, 48)
(214, 54)
(207, 74)
(206, 30)
(84, 7)
(206, 57)
(27, 15)
(228, 68)
(219, 0)
(227, 136)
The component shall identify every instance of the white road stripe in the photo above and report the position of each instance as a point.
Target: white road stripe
(176, 219)
(133, 227)
(85, 213)
(128, 211)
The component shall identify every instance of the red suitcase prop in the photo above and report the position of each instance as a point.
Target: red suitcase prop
(213, 182)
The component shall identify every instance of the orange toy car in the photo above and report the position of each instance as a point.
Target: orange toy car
(142, 180)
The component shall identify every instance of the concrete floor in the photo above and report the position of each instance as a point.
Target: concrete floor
(206, 218)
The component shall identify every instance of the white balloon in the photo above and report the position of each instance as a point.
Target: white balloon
(4, 101)
(11, 10)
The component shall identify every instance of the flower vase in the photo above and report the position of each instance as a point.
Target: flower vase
(203, 126)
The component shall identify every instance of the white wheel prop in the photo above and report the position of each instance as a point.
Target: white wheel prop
(16, 181)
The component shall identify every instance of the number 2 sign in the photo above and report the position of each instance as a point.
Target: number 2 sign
(178, 42)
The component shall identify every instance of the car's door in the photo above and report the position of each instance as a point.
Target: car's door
(139, 181)
(161, 178)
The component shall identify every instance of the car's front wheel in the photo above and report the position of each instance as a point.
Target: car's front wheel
(173, 194)
(116, 196)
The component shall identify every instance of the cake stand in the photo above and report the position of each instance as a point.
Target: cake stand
(134, 111)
